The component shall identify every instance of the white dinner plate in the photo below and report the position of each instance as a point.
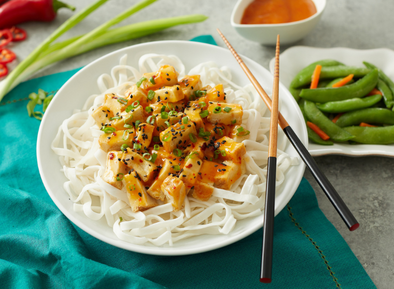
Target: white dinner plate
(296, 58)
(73, 95)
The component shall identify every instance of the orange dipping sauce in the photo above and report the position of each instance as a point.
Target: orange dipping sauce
(277, 11)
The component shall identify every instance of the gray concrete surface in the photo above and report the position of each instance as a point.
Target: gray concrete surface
(365, 183)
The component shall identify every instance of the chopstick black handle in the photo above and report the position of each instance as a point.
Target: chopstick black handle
(324, 183)
(268, 231)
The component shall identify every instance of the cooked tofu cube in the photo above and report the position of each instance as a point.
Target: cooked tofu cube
(177, 136)
(135, 93)
(218, 113)
(193, 110)
(169, 94)
(144, 168)
(198, 148)
(202, 191)
(178, 106)
(189, 84)
(175, 191)
(129, 118)
(227, 176)
(216, 94)
(217, 130)
(114, 141)
(189, 173)
(101, 115)
(233, 151)
(165, 76)
(208, 171)
(144, 135)
(113, 102)
(138, 198)
(115, 169)
(160, 122)
(155, 189)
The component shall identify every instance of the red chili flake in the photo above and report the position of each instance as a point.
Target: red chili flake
(111, 156)
(140, 161)
(189, 166)
(114, 133)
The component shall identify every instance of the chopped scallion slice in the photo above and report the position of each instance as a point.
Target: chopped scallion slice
(185, 120)
(128, 126)
(147, 156)
(182, 127)
(227, 109)
(124, 147)
(199, 93)
(156, 139)
(166, 137)
(204, 114)
(115, 117)
(202, 104)
(151, 119)
(240, 129)
(192, 137)
(177, 168)
(125, 135)
(177, 152)
(167, 123)
(152, 80)
(164, 115)
(233, 121)
(156, 147)
(122, 100)
(217, 109)
(137, 146)
(192, 155)
(148, 109)
(173, 113)
(119, 177)
(151, 94)
(135, 104)
(139, 82)
(154, 157)
(163, 108)
(108, 129)
(137, 123)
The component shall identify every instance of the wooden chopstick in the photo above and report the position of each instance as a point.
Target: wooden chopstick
(269, 212)
(322, 180)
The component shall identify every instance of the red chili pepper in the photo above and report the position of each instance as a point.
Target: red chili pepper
(6, 56)
(5, 37)
(18, 34)
(19, 11)
(3, 70)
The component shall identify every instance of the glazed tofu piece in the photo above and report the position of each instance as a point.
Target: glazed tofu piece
(169, 94)
(225, 113)
(101, 115)
(175, 191)
(177, 106)
(165, 76)
(144, 168)
(129, 118)
(189, 173)
(114, 141)
(115, 169)
(216, 94)
(136, 193)
(177, 136)
(234, 150)
(193, 110)
(189, 84)
(160, 122)
(155, 189)
(144, 135)
(134, 94)
(208, 171)
(113, 102)
(198, 148)
(202, 191)
(217, 130)
(227, 176)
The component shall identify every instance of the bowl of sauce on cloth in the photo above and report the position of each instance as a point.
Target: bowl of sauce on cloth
(262, 20)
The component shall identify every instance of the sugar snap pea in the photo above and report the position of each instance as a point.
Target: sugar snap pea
(311, 134)
(296, 91)
(300, 77)
(382, 76)
(387, 94)
(332, 82)
(369, 115)
(349, 104)
(372, 135)
(328, 72)
(358, 89)
(324, 123)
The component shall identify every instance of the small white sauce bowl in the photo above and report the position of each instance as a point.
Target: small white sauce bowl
(266, 33)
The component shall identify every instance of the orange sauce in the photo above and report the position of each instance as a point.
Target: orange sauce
(277, 11)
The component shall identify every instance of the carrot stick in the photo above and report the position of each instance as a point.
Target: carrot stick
(316, 76)
(374, 92)
(367, 125)
(317, 130)
(334, 120)
(343, 81)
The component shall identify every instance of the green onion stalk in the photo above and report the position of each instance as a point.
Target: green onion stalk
(46, 54)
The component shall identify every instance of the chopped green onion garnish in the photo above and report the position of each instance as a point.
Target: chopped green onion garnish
(199, 93)
(118, 178)
(156, 139)
(137, 146)
(191, 156)
(166, 137)
(216, 154)
(124, 147)
(147, 156)
(192, 137)
(152, 80)
(182, 127)
(227, 109)
(233, 121)
(217, 109)
(135, 104)
(122, 100)
(128, 126)
(156, 147)
(167, 123)
(151, 119)
(243, 133)
(164, 115)
(177, 152)
(185, 120)
(204, 114)
(139, 82)
(177, 168)
(120, 218)
(148, 109)
(240, 129)
(163, 108)
(115, 117)
(127, 119)
(125, 135)
(137, 123)
(223, 152)
(151, 94)
(154, 157)
(173, 113)
(108, 129)
(203, 133)
(202, 104)
(219, 131)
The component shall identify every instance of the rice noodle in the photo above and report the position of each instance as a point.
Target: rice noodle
(83, 162)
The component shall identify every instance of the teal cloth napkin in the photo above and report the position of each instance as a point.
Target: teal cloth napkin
(41, 248)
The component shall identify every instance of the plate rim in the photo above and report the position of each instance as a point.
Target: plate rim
(157, 250)
(359, 150)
